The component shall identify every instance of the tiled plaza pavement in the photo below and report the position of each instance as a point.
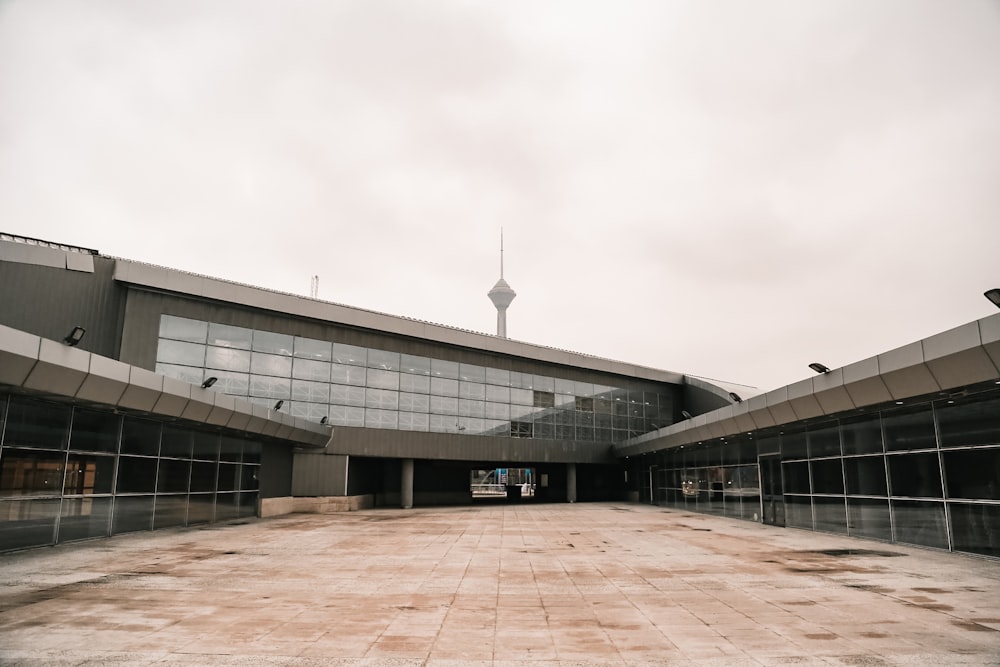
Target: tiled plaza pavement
(544, 585)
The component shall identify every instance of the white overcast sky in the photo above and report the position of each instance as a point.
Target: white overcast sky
(726, 189)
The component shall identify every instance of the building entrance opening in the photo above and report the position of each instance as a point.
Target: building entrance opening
(503, 483)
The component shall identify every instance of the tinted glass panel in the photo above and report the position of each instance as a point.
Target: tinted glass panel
(181, 328)
(831, 515)
(249, 480)
(768, 445)
(973, 473)
(36, 424)
(796, 477)
(863, 436)
(798, 512)
(970, 424)
(920, 522)
(415, 365)
(317, 350)
(914, 430)
(206, 446)
(228, 476)
(140, 436)
(420, 384)
(201, 508)
(444, 387)
(270, 364)
(94, 431)
(270, 387)
(224, 335)
(232, 383)
(351, 355)
(172, 476)
(311, 392)
(177, 352)
(544, 383)
(222, 358)
(499, 377)
(251, 452)
(865, 475)
(84, 518)
(345, 374)
(202, 476)
(308, 369)
(272, 343)
(869, 517)
(381, 399)
(89, 474)
(380, 379)
(976, 528)
(386, 361)
(916, 475)
(31, 472)
(136, 474)
(27, 523)
(231, 449)
(827, 477)
(824, 441)
(176, 442)
(170, 511)
(226, 506)
(133, 513)
(793, 445)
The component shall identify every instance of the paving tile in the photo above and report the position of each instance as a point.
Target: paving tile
(495, 586)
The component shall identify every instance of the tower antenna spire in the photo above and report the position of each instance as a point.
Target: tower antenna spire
(501, 295)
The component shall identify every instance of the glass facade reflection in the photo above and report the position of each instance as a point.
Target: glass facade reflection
(71, 473)
(927, 474)
(374, 388)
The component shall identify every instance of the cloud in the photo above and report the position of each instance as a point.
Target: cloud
(721, 188)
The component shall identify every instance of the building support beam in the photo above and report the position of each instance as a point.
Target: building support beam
(571, 482)
(406, 485)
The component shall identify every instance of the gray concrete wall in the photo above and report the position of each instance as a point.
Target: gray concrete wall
(276, 471)
(48, 301)
(319, 475)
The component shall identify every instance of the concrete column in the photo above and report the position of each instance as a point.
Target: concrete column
(406, 485)
(571, 482)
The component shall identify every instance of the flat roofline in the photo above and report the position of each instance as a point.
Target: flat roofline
(216, 289)
(48, 368)
(966, 355)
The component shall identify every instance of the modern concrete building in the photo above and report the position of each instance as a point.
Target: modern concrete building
(191, 399)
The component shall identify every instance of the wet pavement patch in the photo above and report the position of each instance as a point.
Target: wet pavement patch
(870, 587)
(975, 627)
(837, 553)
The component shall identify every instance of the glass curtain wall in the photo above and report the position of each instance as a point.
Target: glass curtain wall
(373, 388)
(71, 473)
(927, 474)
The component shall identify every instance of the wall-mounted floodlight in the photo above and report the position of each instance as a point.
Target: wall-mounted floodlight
(685, 414)
(209, 382)
(74, 337)
(993, 295)
(324, 420)
(277, 406)
(819, 368)
(736, 397)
